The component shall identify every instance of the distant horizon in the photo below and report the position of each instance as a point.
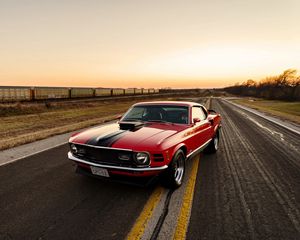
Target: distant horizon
(132, 85)
(32, 86)
(150, 44)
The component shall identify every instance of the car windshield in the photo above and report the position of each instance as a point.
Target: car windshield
(158, 113)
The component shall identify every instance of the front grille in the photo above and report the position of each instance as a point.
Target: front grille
(105, 155)
(158, 157)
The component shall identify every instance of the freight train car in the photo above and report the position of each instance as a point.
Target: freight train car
(82, 92)
(102, 92)
(117, 91)
(151, 90)
(13, 94)
(129, 91)
(138, 91)
(43, 93)
(145, 91)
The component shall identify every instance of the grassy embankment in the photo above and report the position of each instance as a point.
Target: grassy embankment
(43, 122)
(27, 122)
(282, 109)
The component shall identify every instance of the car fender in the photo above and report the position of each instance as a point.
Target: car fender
(217, 127)
(176, 148)
(216, 119)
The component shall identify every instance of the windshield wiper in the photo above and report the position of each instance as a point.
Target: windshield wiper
(160, 121)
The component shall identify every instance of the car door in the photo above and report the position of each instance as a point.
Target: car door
(202, 128)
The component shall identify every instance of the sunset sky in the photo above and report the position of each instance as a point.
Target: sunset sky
(139, 43)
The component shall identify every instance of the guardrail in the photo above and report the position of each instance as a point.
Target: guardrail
(15, 94)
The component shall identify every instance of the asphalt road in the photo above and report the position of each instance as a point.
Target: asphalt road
(249, 190)
(42, 198)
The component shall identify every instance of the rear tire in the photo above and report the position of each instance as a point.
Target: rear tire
(213, 146)
(173, 177)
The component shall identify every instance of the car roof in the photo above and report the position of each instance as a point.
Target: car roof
(171, 103)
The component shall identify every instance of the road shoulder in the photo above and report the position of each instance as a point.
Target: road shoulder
(283, 123)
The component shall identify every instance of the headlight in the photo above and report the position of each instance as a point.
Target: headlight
(73, 148)
(142, 158)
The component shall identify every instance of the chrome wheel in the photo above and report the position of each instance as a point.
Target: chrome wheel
(173, 176)
(179, 170)
(216, 142)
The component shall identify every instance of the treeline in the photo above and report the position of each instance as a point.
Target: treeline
(285, 86)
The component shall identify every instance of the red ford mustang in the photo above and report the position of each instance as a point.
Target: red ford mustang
(152, 139)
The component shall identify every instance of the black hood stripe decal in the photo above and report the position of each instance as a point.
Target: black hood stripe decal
(107, 140)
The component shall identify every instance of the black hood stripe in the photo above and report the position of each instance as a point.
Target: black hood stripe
(107, 140)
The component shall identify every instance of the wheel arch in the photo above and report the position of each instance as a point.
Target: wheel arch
(182, 147)
(217, 129)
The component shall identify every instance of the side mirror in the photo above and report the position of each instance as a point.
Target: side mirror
(210, 111)
(195, 120)
(211, 120)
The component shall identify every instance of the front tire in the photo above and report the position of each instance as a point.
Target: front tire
(173, 176)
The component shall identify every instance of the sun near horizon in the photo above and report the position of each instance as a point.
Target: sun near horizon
(190, 44)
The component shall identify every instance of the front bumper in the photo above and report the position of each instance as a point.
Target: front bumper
(116, 168)
(140, 181)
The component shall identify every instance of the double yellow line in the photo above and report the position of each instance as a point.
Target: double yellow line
(184, 215)
(140, 224)
(138, 229)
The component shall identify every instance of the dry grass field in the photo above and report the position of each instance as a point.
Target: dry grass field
(282, 109)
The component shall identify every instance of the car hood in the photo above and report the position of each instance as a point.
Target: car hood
(145, 136)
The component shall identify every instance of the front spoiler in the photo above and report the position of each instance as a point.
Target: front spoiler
(142, 169)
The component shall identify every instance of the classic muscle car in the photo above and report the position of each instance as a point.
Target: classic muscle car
(152, 139)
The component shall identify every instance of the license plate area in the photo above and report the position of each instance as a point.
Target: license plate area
(99, 171)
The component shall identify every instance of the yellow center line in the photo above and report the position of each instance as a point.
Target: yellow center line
(141, 222)
(184, 215)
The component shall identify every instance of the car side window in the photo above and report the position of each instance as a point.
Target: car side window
(197, 112)
(205, 112)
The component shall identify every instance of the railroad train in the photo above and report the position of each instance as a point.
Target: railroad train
(14, 94)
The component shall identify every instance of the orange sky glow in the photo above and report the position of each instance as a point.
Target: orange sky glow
(133, 43)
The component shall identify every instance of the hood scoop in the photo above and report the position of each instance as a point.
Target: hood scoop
(131, 126)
